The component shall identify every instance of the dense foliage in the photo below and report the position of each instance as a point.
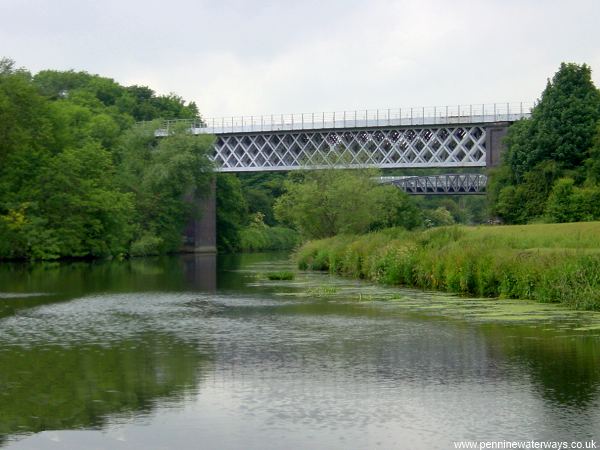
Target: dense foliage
(550, 169)
(245, 218)
(545, 262)
(259, 236)
(232, 212)
(77, 180)
(261, 189)
(322, 203)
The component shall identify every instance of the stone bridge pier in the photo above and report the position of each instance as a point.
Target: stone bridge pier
(494, 143)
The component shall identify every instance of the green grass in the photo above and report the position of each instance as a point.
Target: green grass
(548, 263)
(283, 275)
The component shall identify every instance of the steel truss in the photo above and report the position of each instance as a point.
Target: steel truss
(442, 184)
(389, 147)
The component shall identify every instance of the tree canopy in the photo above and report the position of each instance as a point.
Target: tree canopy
(78, 180)
(559, 141)
(323, 203)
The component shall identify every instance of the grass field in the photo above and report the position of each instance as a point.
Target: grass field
(543, 262)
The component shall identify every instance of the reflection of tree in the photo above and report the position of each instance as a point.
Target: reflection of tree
(228, 275)
(53, 387)
(566, 369)
(73, 279)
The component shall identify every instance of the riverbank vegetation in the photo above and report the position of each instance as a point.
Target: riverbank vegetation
(543, 262)
(77, 179)
(276, 211)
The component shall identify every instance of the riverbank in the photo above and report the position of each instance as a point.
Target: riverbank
(261, 238)
(558, 263)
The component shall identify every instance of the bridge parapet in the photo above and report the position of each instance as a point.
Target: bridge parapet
(366, 118)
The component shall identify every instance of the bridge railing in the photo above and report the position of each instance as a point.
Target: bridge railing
(431, 115)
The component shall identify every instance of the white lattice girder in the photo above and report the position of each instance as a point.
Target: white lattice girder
(458, 146)
(443, 184)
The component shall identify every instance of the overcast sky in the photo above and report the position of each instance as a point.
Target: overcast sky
(251, 57)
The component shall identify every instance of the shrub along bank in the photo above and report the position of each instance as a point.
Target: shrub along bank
(544, 262)
(255, 238)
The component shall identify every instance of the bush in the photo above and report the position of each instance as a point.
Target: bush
(280, 275)
(257, 238)
(147, 245)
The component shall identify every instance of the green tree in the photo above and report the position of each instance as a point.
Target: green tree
(231, 212)
(395, 208)
(593, 162)
(260, 190)
(569, 203)
(565, 118)
(322, 203)
(83, 209)
(560, 207)
(77, 180)
(554, 142)
(166, 177)
(438, 217)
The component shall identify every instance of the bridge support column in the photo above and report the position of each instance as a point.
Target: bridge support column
(200, 235)
(493, 143)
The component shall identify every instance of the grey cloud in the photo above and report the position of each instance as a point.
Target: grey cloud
(243, 57)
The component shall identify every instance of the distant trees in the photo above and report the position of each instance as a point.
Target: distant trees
(555, 144)
(78, 179)
(138, 102)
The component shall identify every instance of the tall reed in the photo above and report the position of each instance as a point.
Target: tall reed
(547, 263)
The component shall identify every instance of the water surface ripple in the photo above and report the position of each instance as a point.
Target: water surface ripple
(188, 353)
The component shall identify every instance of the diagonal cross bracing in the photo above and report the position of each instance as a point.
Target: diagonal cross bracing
(389, 147)
(471, 183)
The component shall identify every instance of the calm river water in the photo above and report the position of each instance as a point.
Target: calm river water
(187, 353)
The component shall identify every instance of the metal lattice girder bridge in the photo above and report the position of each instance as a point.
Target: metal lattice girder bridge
(392, 138)
(462, 146)
(453, 184)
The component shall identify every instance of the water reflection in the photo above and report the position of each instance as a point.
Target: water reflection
(563, 366)
(164, 353)
(56, 387)
(25, 285)
(200, 271)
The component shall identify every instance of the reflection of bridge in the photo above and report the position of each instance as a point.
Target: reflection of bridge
(409, 138)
